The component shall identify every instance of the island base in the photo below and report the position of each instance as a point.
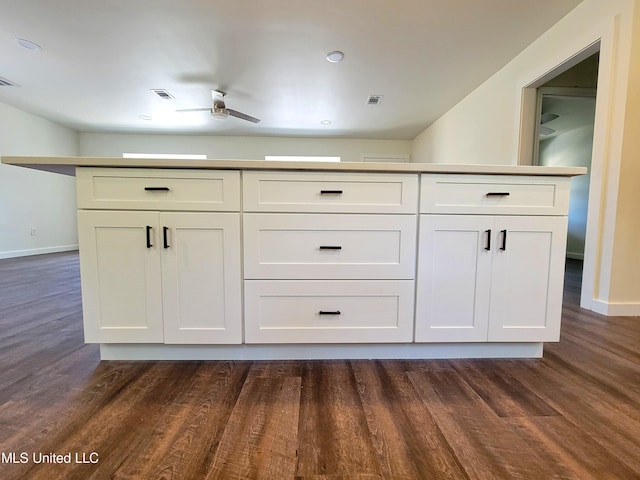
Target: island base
(132, 351)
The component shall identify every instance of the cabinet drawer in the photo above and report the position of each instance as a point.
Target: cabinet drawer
(494, 194)
(328, 312)
(149, 189)
(290, 246)
(329, 192)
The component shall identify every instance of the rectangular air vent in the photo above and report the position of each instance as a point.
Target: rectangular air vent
(162, 93)
(7, 83)
(374, 99)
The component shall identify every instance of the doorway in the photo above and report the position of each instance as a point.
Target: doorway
(559, 111)
(566, 139)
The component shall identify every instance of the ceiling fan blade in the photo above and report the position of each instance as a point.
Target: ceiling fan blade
(243, 116)
(208, 109)
(547, 117)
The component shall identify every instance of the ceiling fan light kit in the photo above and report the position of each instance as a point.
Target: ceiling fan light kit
(219, 110)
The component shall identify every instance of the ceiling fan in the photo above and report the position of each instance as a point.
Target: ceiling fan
(546, 118)
(219, 109)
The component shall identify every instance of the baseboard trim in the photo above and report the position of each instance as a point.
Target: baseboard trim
(138, 351)
(613, 309)
(37, 251)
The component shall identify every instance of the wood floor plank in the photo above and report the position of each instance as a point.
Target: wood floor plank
(260, 440)
(37, 421)
(583, 456)
(483, 442)
(610, 421)
(501, 391)
(573, 414)
(613, 375)
(125, 420)
(276, 369)
(50, 433)
(62, 381)
(365, 476)
(184, 440)
(333, 434)
(406, 439)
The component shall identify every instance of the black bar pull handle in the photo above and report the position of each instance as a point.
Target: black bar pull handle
(329, 312)
(488, 245)
(497, 194)
(149, 244)
(165, 237)
(503, 247)
(330, 247)
(157, 189)
(330, 192)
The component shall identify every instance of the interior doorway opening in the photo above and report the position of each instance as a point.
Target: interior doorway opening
(558, 125)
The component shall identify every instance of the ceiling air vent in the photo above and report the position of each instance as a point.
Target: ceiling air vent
(374, 99)
(7, 83)
(162, 93)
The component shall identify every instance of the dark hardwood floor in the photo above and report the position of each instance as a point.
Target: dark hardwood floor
(572, 415)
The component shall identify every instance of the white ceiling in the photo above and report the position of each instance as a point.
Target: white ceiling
(100, 58)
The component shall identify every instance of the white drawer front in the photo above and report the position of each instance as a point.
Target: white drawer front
(328, 312)
(494, 194)
(329, 192)
(290, 246)
(153, 189)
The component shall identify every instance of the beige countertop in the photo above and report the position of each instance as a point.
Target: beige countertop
(66, 166)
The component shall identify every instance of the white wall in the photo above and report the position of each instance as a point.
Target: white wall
(484, 128)
(34, 199)
(229, 147)
(624, 292)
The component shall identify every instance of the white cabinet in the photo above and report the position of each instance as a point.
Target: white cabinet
(153, 189)
(527, 279)
(341, 311)
(490, 278)
(201, 278)
(453, 282)
(329, 257)
(162, 275)
(279, 258)
(329, 246)
(329, 192)
(494, 194)
(154, 277)
(491, 258)
(121, 277)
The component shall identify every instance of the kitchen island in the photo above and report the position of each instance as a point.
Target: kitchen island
(234, 259)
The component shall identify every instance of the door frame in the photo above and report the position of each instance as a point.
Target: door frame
(605, 165)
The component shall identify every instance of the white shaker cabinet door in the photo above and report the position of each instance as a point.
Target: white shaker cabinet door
(490, 278)
(201, 277)
(527, 279)
(121, 280)
(454, 278)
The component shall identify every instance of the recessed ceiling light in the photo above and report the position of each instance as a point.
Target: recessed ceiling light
(326, 122)
(145, 117)
(335, 57)
(28, 44)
